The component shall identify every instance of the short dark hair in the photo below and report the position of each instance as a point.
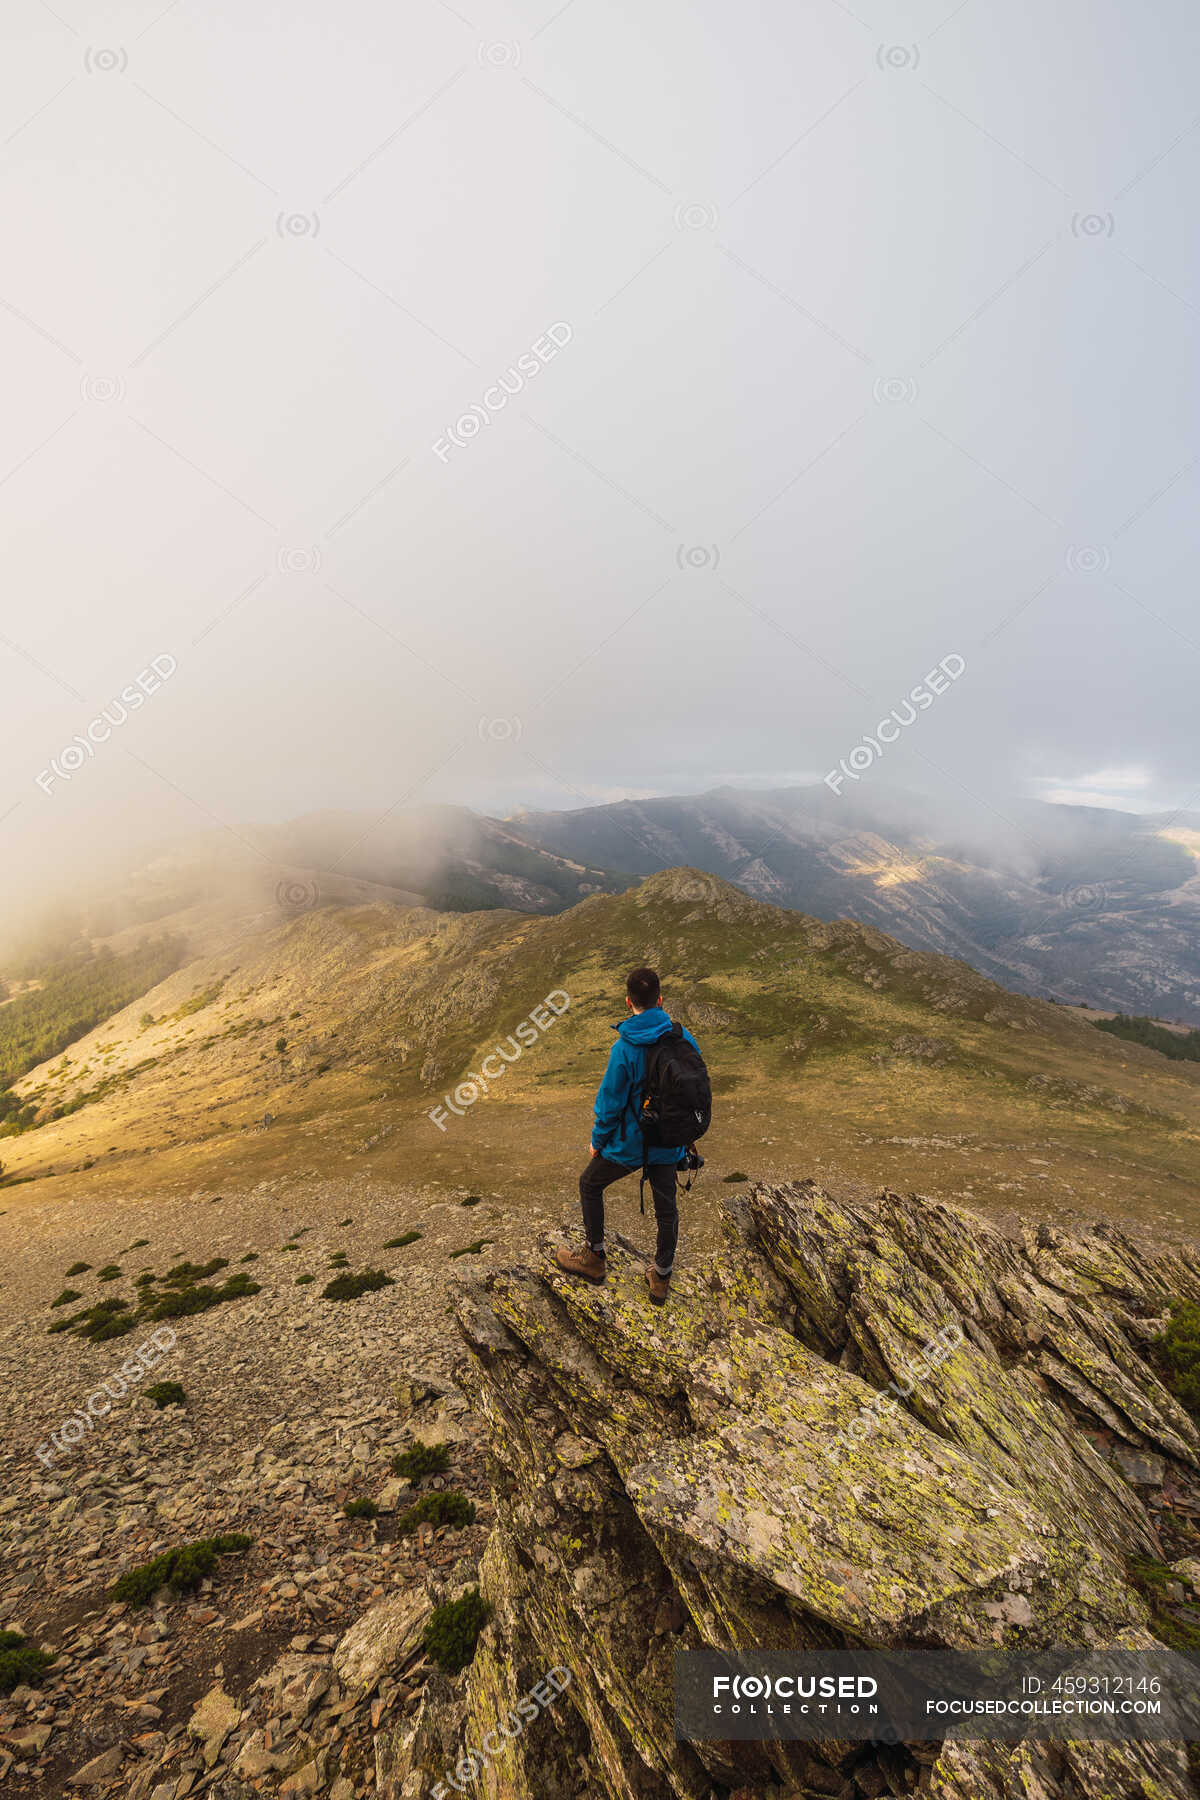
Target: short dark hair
(643, 987)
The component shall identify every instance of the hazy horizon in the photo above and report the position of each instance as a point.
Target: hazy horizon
(532, 407)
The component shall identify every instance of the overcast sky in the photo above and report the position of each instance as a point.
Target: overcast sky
(862, 337)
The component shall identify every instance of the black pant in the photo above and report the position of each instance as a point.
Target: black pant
(599, 1173)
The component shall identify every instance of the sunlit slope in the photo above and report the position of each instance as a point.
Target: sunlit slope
(345, 1026)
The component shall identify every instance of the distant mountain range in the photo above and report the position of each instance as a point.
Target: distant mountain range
(1085, 904)
(1082, 905)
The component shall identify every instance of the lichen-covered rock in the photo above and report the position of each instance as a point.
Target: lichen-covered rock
(382, 1639)
(874, 1424)
(213, 1720)
(1110, 1771)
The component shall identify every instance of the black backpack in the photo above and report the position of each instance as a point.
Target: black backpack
(676, 1096)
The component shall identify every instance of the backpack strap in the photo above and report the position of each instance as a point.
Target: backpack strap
(675, 1033)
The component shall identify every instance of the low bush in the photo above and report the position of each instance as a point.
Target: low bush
(361, 1509)
(120, 1325)
(349, 1287)
(453, 1630)
(421, 1460)
(446, 1507)
(165, 1393)
(106, 1319)
(398, 1243)
(1170, 1624)
(1177, 1352)
(79, 1268)
(181, 1570)
(66, 1297)
(184, 1302)
(21, 1663)
(185, 1274)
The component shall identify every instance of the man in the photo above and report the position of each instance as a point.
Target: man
(617, 1147)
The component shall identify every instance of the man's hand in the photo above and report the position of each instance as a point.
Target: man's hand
(592, 1150)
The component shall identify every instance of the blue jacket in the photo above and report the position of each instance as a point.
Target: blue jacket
(616, 1133)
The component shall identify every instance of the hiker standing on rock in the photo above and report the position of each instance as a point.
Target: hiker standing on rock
(654, 1102)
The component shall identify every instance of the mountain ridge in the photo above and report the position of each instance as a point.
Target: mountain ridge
(338, 1033)
(1092, 907)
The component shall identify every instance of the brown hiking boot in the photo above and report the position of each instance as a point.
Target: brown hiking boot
(583, 1262)
(659, 1285)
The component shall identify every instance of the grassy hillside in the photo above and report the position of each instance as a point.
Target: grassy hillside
(830, 1045)
(73, 995)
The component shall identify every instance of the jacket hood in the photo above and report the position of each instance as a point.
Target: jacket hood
(645, 1027)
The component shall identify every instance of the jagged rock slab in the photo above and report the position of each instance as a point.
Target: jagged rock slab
(702, 1475)
(381, 1640)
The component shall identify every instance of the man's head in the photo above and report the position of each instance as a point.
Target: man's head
(642, 989)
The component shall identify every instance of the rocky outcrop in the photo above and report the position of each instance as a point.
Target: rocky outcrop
(879, 1424)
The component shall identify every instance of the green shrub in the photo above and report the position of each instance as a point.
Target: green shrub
(361, 1509)
(1178, 1354)
(1151, 1579)
(303, 1280)
(471, 1200)
(398, 1243)
(106, 1319)
(20, 1662)
(185, 1273)
(66, 1297)
(349, 1287)
(182, 1569)
(453, 1629)
(184, 1302)
(738, 1175)
(110, 1272)
(165, 1393)
(250, 1256)
(342, 1222)
(120, 1326)
(421, 1460)
(471, 1249)
(446, 1507)
(146, 1279)
(104, 1309)
(289, 1246)
(79, 1268)
(339, 1260)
